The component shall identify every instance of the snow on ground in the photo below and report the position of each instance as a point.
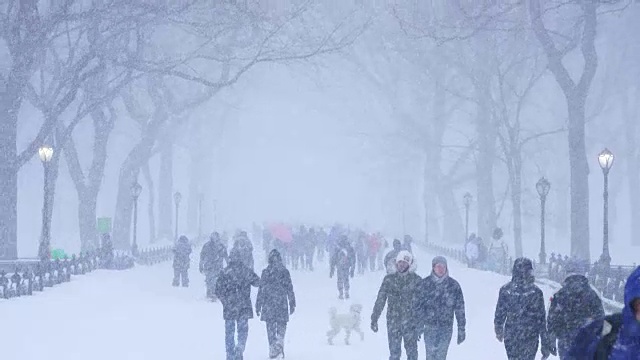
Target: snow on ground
(137, 314)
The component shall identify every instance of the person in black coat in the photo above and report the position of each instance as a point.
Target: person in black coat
(439, 297)
(233, 288)
(390, 257)
(398, 291)
(275, 302)
(574, 305)
(181, 262)
(520, 315)
(343, 261)
(212, 258)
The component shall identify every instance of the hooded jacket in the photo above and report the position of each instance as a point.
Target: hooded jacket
(628, 344)
(275, 296)
(181, 253)
(398, 291)
(574, 305)
(438, 299)
(591, 341)
(520, 312)
(233, 288)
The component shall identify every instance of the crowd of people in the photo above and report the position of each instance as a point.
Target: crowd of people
(574, 327)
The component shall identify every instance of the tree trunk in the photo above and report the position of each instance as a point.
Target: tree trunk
(195, 188)
(633, 159)
(579, 178)
(9, 106)
(484, 165)
(146, 172)
(87, 213)
(49, 196)
(165, 190)
(453, 226)
(516, 200)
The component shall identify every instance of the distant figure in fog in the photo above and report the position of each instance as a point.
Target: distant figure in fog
(181, 262)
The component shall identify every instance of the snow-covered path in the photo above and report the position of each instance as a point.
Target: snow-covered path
(136, 314)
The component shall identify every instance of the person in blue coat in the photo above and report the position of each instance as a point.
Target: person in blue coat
(614, 337)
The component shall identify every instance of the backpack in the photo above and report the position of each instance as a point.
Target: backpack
(610, 328)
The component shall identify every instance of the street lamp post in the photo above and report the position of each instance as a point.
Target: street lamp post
(45, 153)
(200, 216)
(467, 204)
(543, 186)
(177, 197)
(605, 159)
(136, 189)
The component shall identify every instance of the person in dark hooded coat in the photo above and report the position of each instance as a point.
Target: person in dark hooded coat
(574, 305)
(398, 291)
(439, 298)
(615, 336)
(181, 262)
(212, 258)
(275, 302)
(343, 261)
(233, 288)
(390, 258)
(242, 245)
(520, 315)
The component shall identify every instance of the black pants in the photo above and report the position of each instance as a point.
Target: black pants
(436, 341)
(180, 274)
(396, 335)
(275, 333)
(309, 259)
(521, 348)
(343, 282)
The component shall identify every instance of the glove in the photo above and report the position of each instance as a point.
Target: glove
(292, 309)
(553, 350)
(499, 336)
(331, 275)
(461, 335)
(374, 326)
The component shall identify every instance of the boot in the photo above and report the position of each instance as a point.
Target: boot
(346, 294)
(341, 297)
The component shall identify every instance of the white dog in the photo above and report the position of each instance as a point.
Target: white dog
(349, 322)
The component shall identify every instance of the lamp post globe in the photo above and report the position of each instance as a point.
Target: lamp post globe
(136, 189)
(45, 152)
(467, 199)
(543, 186)
(605, 160)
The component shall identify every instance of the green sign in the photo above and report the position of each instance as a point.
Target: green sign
(104, 225)
(57, 254)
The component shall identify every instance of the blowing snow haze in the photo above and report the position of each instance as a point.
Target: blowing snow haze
(419, 152)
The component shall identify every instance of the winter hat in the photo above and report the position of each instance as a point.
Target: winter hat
(439, 260)
(405, 256)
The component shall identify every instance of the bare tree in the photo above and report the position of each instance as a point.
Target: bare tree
(582, 30)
